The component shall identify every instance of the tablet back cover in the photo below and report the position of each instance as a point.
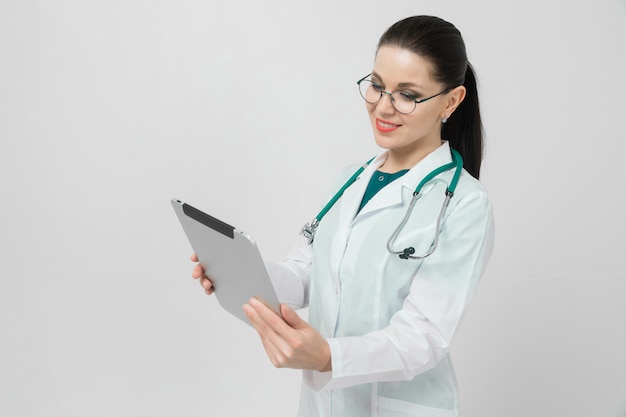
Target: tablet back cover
(230, 258)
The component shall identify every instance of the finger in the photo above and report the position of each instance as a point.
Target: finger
(257, 321)
(197, 272)
(269, 338)
(270, 327)
(267, 314)
(265, 332)
(291, 317)
(206, 283)
(194, 257)
(275, 328)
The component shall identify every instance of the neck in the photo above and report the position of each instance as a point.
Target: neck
(399, 159)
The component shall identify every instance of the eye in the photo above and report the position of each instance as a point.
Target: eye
(407, 96)
(377, 87)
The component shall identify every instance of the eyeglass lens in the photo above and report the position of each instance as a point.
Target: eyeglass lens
(401, 101)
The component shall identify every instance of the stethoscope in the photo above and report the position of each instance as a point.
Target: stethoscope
(309, 229)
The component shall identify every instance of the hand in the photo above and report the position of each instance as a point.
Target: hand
(289, 342)
(198, 273)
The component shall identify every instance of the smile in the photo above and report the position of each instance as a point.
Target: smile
(385, 127)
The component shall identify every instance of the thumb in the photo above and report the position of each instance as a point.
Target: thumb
(291, 317)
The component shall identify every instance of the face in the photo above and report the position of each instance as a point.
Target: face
(412, 136)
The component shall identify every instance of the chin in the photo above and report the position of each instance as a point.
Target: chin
(386, 145)
(385, 141)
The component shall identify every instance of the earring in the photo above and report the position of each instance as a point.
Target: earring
(444, 120)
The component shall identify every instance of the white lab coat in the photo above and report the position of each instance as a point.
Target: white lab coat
(389, 321)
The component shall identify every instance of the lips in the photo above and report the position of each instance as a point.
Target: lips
(384, 126)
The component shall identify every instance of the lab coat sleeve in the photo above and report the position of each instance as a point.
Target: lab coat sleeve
(419, 335)
(290, 277)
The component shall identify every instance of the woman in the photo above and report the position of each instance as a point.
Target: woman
(380, 325)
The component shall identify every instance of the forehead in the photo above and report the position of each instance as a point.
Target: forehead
(397, 65)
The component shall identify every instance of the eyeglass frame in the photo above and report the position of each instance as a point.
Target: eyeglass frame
(391, 98)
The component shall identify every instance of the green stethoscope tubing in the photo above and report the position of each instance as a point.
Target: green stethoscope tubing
(457, 164)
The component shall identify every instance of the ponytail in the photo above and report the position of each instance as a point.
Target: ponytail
(464, 129)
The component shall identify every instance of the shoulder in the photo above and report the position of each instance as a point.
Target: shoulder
(468, 184)
(471, 192)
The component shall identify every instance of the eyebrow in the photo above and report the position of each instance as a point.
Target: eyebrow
(401, 85)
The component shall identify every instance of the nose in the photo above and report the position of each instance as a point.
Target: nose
(385, 105)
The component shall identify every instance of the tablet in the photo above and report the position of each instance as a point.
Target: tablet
(230, 259)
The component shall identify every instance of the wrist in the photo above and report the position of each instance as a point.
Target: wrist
(327, 362)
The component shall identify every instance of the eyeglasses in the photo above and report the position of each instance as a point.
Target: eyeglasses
(401, 100)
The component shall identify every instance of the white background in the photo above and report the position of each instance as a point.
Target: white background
(248, 110)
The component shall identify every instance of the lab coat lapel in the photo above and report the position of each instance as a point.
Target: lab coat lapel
(390, 195)
(351, 199)
(341, 215)
(437, 158)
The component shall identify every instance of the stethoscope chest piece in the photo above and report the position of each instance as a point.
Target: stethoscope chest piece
(407, 252)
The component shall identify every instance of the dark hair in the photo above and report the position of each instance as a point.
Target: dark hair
(442, 45)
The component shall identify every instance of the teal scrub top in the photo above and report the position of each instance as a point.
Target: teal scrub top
(378, 182)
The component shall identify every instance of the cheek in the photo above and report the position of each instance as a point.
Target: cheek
(423, 118)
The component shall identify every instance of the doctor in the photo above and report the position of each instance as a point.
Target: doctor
(380, 326)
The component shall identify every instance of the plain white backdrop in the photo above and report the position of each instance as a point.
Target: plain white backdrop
(248, 110)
